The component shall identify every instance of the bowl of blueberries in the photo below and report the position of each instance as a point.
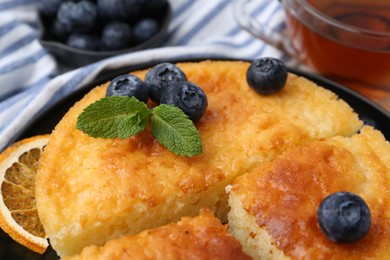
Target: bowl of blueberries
(80, 32)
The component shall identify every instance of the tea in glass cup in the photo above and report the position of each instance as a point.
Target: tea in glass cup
(345, 40)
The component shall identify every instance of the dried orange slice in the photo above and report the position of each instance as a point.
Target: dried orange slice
(18, 213)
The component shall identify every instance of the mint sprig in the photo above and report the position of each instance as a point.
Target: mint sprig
(122, 117)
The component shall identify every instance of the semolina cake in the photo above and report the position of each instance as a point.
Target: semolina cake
(200, 237)
(91, 190)
(274, 206)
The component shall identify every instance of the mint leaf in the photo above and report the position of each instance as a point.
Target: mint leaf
(113, 117)
(175, 131)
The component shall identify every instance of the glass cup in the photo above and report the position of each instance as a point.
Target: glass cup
(345, 40)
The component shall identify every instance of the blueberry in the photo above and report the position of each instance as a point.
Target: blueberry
(344, 217)
(77, 17)
(188, 97)
(84, 42)
(267, 75)
(128, 85)
(124, 10)
(144, 30)
(160, 76)
(49, 8)
(116, 36)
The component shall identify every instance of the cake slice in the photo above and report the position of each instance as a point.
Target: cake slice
(274, 206)
(200, 237)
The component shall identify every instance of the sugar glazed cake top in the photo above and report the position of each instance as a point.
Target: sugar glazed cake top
(90, 190)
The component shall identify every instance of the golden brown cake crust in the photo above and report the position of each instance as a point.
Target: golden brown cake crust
(201, 237)
(284, 194)
(86, 186)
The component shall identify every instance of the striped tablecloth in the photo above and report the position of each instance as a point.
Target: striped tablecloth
(31, 80)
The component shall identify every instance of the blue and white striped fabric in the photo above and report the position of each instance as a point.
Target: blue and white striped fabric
(29, 77)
